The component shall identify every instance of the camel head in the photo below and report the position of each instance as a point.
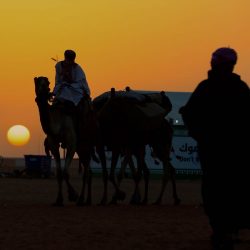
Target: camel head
(42, 87)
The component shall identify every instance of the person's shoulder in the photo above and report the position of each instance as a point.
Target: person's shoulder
(78, 66)
(240, 82)
(200, 89)
(203, 84)
(59, 64)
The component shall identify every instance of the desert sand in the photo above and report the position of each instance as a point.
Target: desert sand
(28, 221)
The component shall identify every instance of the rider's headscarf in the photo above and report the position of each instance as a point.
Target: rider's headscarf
(224, 56)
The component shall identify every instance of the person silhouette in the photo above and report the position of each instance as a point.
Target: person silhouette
(72, 90)
(70, 80)
(217, 116)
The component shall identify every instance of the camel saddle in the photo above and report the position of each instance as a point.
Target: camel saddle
(139, 116)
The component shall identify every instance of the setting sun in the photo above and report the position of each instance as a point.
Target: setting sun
(18, 135)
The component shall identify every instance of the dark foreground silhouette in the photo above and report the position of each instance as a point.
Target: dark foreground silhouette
(218, 117)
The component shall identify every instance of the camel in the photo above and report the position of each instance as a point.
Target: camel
(160, 141)
(113, 133)
(60, 128)
(121, 134)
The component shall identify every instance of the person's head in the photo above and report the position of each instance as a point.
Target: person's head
(69, 56)
(224, 59)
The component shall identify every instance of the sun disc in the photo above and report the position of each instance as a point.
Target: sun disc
(18, 135)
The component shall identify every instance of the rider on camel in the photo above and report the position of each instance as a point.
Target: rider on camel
(70, 83)
(71, 89)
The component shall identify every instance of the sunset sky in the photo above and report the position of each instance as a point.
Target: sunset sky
(146, 44)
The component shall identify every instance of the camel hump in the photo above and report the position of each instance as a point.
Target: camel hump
(127, 96)
(161, 99)
(146, 116)
(131, 110)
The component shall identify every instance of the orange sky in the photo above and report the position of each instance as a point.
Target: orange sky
(153, 45)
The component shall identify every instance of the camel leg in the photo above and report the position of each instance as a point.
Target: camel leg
(168, 173)
(102, 157)
(132, 166)
(64, 175)
(121, 173)
(172, 177)
(142, 168)
(127, 160)
(59, 177)
(86, 179)
(81, 199)
(72, 194)
(54, 148)
(137, 174)
(136, 197)
(119, 195)
(165, 178)
(146, 180)
(89, 183)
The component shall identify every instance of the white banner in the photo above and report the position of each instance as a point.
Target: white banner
(184, 153)
(183, 156)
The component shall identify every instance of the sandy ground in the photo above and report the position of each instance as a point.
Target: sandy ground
(28, 221)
